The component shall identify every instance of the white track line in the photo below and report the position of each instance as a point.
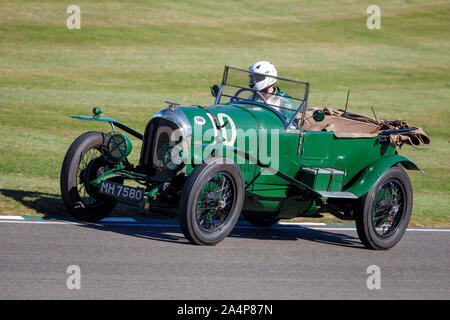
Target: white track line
(11, 218)
(284, 225)
(117, 219)
(303, 223)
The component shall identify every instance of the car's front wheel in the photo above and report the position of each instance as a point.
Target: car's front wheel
(83, 163)
(211, 201)
(382, 215)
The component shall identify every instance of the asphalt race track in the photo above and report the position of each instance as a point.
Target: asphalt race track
(119, 260)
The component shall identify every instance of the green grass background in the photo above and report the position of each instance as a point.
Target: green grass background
(130, 56)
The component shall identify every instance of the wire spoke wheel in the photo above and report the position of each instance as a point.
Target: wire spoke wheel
(388, 208)
(216, 202)
(83, 163)
(211, 201)
(89, 169)
(382, 215)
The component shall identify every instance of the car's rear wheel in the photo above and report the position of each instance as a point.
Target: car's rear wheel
(211, 202)
(383, 214)
(83, 163)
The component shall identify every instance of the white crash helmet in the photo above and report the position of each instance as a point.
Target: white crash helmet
(260, 82)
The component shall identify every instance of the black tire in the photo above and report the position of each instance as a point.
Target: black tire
(84, 162)
(261, 220)
(224, 209)
(383, 214)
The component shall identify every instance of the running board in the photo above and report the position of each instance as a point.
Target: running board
(343, 195)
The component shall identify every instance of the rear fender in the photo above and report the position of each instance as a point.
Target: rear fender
(370, 175)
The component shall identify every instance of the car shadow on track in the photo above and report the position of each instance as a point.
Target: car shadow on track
(51, 207)
(157, 233)
(173, 234)
(46, 204)
(294, 233)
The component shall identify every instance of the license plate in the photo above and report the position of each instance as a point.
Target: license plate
(121, 192)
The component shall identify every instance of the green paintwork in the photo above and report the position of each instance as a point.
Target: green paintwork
(154, 192)
(97, 111)
(274, 180)
(350, 157)
(371, 174)
(318, 115)
(323, 179)
(129, 145)
(109, 174)
(122, 153)
(112, 121)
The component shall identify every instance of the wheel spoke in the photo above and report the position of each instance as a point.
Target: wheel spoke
(83, 178)
(215, 202)
(388, 208)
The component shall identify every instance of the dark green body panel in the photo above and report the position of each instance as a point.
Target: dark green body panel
(204, 136)
(372, 173)
(268, 192)
(271, 157)
(324, 150)
(323, 179)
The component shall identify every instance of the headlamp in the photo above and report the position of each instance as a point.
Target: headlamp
(118, 148)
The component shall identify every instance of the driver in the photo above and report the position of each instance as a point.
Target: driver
(264, 89)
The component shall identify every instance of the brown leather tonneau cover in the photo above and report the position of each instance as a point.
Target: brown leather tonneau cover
(352, 125)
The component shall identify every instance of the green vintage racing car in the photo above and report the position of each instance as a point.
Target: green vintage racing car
(265, 157)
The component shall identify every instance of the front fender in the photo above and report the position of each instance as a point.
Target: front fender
(120, 125)
(367, 178)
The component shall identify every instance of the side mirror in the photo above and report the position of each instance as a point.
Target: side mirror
(214, 90)
(318, 115)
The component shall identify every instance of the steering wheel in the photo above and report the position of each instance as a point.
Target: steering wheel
(235, 97)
